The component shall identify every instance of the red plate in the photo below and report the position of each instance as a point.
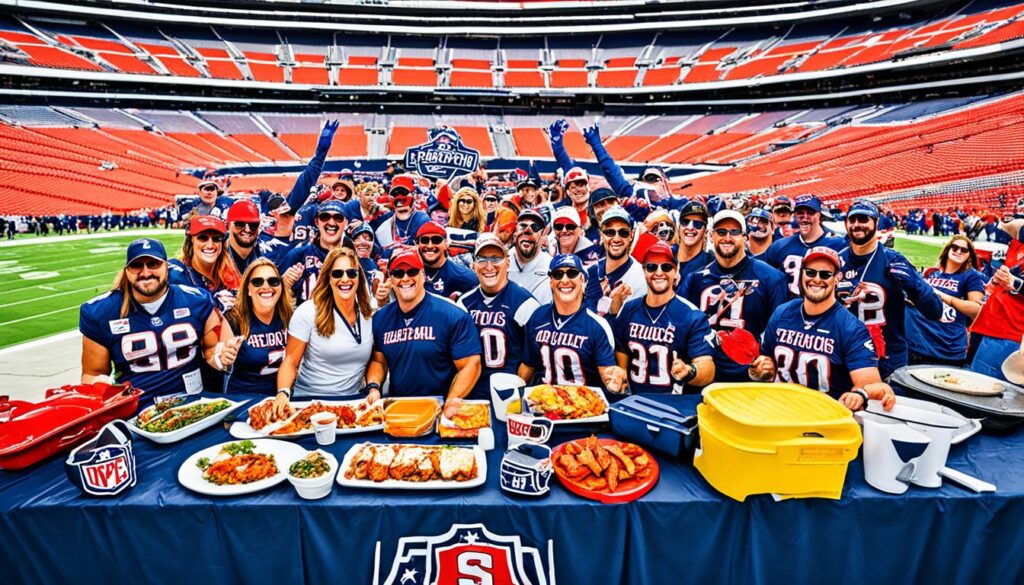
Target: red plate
(628, 489)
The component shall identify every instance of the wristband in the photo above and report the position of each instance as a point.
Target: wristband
(285, 390)
(216, 356)
(371, 386)
(863, 394)
(691, 373)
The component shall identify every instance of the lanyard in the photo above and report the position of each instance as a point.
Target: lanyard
(357, 329)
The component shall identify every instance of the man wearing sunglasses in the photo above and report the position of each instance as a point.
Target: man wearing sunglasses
(528, 265)
(813, 342)
(212, 201)
(617, 278)
(500, 309)
(400, 229)
(152, 330)
(443, 278)
(306, 194)
(759, 232)
(567, 237)
(734, 291)
(788, 253)
(567, 343)
(302, 265)
(427, 344)
(243, 225)
(663, 341)
(601, 200)
(782, 215)
(693, 254)
(877, 283)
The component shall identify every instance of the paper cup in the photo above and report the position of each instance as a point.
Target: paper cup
(506, 394)
(325, 426)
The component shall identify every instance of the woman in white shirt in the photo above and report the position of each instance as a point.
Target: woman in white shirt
(330, 337)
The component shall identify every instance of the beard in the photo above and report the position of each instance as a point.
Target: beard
(815, 297)
(241, 243)
(527, 248)
(727, 255)
(151, 286)
(861, 240)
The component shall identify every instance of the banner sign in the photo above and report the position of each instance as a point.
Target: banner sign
(442, 157)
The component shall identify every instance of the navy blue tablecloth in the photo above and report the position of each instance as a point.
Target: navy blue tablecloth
(681, 532)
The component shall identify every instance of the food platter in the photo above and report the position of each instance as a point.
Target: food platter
(959, 380)
(298, 424)
(411, 458)
(173, 416)
(589, 485)
(193, 478)
(472, 415)
(567, 404)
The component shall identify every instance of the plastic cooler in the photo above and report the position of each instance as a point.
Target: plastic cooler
(774, 438)
(658, 423)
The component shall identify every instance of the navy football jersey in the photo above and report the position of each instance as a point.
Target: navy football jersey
(393, 232)
(421, 346)
(160, 352)
(630, 273)
(698, 262)
(788, 254)
(712, 288)
(311, 257)
(501, 320)
(450, 281)
(259, 357)
(180, 273)
(879, 299)
(651, 336)
(946, 338)
(569, 350)
(818, 352)
(304, 226)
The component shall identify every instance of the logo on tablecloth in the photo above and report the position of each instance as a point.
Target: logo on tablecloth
(467, 553)
(444, 157)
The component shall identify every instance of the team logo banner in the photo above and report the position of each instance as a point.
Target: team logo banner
(104, 466)
(443, 157)
(467, 553)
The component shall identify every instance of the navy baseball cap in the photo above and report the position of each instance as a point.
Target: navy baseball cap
(145, 247)
(759, 212)
(330, 206)
(364, 228)
(694, 208)
(567, 261)
(602, 194)
(783, 202)
(809, 201)
(863, 207)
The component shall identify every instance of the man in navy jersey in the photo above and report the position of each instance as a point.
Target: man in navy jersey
(302, 265)
(813, 342)
(617, 278)
(663, 341)
(759, 232)
(443, 278)
(500, 309)
(427, 344)
(693, 252)
(787, 254)
(782, 215)
(151, 330)
(244, 242)
(400, 229)
(567, 343)
(735, 291)
(877, 282)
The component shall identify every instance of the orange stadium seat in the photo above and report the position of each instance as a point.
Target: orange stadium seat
(310, 69)
(219, 63)
(170, 58)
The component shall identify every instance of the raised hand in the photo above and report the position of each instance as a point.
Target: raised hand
(292, 275)
(592, 135)
(229, 352)
(327, 134)
(557, 129)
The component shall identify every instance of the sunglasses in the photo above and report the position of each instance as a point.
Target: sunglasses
(565, 227)
(152, 264)
(347, 272)
(666, 267)
(959, 249)
(241, 225)
(203, 238)
(692, 223)
(337, 217)
(466, 202)
(209, 188)
(858, 219)
(722, 232)
(561, 274)
(621, 232)
(491, 199)
(258, 281)
(490, 259)
(400, 274)
(823, 274)
(530, 226)
(431, 240)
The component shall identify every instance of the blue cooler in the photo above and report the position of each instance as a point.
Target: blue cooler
(665, 423)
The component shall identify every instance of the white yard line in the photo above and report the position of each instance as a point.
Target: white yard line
(30, 317)
(37, 299)
(40, 342)
(30, 240)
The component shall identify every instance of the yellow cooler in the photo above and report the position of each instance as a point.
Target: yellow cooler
(774, 438)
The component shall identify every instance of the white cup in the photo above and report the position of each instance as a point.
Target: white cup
(325, 426)
(485, 438)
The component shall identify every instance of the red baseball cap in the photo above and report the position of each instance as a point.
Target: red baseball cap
(402, 182)
(405, 258)
(244, 210)
(659, 250)
(823, 252)
(431, 227)
(205, 223)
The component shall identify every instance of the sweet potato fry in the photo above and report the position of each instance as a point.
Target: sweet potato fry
(622, 457)
(587, 458)
(573, 449)
(603, 459)
(613, 475)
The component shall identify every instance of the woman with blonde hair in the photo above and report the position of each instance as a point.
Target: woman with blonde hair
(330, 337)
(961, 287)
(260, 318)
(466, 210)
(204, 261)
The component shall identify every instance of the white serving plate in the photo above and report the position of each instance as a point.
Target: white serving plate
(569, 421)
(394, 484)
(971, 383)
(285, 453)
(242, 429)
(188, 431)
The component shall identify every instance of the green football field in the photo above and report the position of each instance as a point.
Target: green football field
(44, 283)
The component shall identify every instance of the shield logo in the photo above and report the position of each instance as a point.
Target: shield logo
(444, 156)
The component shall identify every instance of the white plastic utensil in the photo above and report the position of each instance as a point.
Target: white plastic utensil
(972, 483)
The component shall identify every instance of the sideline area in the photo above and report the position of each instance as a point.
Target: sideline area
(28, 369)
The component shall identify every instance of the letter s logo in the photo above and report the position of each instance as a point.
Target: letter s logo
(475, 569)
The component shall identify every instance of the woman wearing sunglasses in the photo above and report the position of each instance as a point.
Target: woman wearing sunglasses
(961, 288)
(204, 262)
(466, 210)
(330, 337)
(260, 318)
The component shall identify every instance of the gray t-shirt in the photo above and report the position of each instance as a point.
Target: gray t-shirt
(335, 365)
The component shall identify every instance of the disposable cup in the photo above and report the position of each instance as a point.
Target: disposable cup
(325, 425)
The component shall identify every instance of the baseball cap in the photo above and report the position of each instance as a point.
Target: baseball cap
(278, 204)
(659, 250)
(863, 207)
(331, 206)
(619, 213)
(405, 258)
(759, 212)
(823, 252)
(431, 227)
(532, 213)
(566, 214)
(783, 202)
(244, 210)
(694, 208)
(364, 228)
(146, 247)
(402, 182)
(205, 223)
(207, 182)
(567, 261)
(527, 182)
(602, 194)
(809, 201)
(651, 174)
(576, 174)
(730, 214)
(489, 240)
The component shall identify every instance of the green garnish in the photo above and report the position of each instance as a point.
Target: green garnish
(203, 463)
(243, 448)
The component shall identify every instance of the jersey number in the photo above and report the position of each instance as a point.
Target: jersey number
(791, 266)
(274, 360)
(796, 367)
(871, 309)
(649, 364)
(495, 350)
(142, 350)
(564, 363)
(711, 302)
(948, 314)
